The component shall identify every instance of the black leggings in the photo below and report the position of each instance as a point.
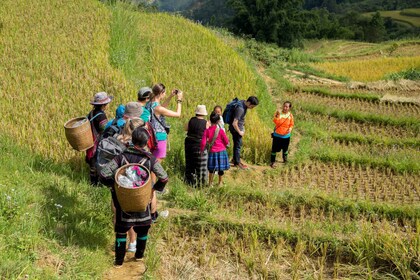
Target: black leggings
(279, 144)
(121, 242)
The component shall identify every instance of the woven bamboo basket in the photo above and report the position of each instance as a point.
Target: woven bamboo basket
(137, 199)
(80, 137)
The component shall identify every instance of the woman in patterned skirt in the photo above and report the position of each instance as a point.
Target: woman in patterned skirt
(215, 141)
(195, 161)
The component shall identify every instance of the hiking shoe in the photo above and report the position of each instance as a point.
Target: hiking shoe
(241, 166)
(138, 259)
(117, 265)
(132, 247)
(272, 165)
(164, 192)
(164, 214)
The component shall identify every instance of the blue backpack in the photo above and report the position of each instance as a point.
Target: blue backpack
(228, 113)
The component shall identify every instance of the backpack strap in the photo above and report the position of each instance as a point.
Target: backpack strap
(90, 114)
(216, 133)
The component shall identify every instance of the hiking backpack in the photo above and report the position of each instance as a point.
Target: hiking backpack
(109, 146)
(228, 113)
(152, 143)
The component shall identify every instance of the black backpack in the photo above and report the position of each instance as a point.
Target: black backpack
(109, 146)
(229, 110)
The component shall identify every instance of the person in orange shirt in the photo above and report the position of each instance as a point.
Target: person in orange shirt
(281, 136)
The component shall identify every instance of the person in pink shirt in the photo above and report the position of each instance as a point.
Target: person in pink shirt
(215, 141)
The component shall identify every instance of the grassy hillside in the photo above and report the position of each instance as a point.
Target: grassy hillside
(50, 66)
(185, 55)
(345, 207)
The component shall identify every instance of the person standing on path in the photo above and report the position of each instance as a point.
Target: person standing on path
(143, 96)
(98, 121)
(195, 160)
(139, 221)
(215, 141)
(157, 107)
(281, 136)
(237, 128)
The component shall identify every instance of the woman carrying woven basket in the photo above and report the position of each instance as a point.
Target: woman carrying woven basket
(140, 221)
(98, 121)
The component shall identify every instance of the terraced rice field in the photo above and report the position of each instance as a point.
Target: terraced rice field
(346, 207)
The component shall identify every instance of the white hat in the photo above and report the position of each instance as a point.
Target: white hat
(201, 110)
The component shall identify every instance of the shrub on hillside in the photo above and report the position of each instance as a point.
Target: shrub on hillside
(409, 74)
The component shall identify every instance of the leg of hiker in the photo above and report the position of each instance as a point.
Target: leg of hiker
(275, 148)
(132, 240)
(211, 176)
(237, 145)
(285, 148)
(120, 243)
(141, 240)
(221, 173)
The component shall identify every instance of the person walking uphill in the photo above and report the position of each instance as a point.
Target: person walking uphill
(195, 161)
(281, 136)
(140, 221)
(98, 121)
(237, 128)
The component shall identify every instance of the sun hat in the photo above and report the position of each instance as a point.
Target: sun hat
(101, 98)
(133, 110)
(201, 110)
(144, 93)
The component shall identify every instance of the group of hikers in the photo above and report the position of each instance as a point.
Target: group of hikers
(139, 134)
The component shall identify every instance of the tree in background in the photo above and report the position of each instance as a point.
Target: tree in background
(375, 29)
(274, 21)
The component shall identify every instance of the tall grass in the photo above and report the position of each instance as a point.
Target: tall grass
(51, 222)
(50, 67)
(207, 71)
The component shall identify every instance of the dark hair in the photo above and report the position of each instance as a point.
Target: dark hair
(217, 106)
(214, 118)
(157, 89)
(141, 97)
(253, 100)
(140, 136)
(98, 107)
(288, 102)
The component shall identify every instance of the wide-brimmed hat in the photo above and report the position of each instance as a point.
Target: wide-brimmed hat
(133, 110)
(201, 110)
(144, 92)
(101, 98)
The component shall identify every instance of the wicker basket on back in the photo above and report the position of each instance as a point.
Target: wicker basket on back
(79, 133)
(133, 199)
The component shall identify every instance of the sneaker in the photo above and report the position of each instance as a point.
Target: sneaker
(272, 165)
(164, 192)
(164, 214)
(132, 247)
(138, 259)
(117, 265)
